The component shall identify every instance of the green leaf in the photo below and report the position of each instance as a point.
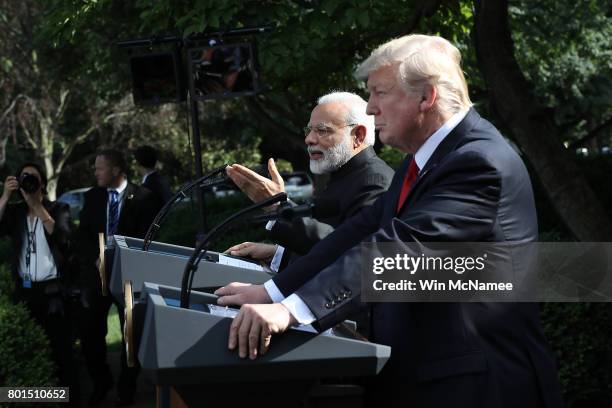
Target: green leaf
(330, 6)
(363, 18)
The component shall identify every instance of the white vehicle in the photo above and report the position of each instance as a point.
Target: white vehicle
(74, 199)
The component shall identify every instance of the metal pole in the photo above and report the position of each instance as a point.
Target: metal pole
(197, 151)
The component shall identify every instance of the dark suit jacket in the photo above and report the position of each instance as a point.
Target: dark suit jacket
(13, 224)
(352, 187)
(160, 187)
(138, 210)
(474, 188)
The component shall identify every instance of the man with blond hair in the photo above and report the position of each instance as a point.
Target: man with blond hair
(461, 182)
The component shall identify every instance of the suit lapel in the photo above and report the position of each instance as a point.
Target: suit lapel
(126, 201)
(445, 147)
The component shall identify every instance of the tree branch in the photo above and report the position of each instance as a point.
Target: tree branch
(85, 135)
(287, 134)
(63, 104)
(28, 134)
(592, 134)
(11, 107)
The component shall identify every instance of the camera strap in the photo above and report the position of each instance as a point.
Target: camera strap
(31, 248)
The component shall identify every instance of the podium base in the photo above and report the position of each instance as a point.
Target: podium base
(278, 394)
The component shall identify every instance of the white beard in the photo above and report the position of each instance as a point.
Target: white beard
(333, 158)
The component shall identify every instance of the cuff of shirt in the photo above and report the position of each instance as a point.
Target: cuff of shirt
(278, 257)
(270, 224)
(299, 309)
(275, 294)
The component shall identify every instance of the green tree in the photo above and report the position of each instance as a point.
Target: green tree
(316, 45)
(36, 101)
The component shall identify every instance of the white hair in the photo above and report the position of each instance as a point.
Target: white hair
(420, 60)
(356, 111)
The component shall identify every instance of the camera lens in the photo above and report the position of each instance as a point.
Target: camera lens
(29, 183)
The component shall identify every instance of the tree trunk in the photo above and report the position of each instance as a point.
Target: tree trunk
(533, 127)
(3, 142)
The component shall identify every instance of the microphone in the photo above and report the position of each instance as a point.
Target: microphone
(203, 181)
(200, 250)
(320, 208)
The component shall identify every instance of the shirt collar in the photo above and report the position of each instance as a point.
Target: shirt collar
(119, 189)
(144, 178)
(426, 150)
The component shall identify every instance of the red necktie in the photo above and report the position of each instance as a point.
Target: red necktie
(411, 175)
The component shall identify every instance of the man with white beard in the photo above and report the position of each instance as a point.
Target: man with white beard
(339, 137)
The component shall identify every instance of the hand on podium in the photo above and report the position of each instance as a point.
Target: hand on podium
(257, 187)
(253, 250)
(237, 293)
(253, 327)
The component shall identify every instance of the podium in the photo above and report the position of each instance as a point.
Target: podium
(184, 352)
(165, 263)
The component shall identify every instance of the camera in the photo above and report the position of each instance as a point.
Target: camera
(29, 183)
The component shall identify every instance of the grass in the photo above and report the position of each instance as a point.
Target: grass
(113, 337)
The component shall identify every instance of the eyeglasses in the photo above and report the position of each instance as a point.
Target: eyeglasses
(324, 131)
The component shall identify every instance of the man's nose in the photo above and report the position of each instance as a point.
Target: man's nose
(371, 107)
(311, 138)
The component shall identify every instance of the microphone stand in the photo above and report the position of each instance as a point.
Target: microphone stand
(178, 197)
(286, 213)
(200, 250)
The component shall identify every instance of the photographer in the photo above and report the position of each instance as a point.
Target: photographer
(39, 230)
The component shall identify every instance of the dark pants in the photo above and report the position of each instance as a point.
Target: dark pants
(93, 329)
(47, 306)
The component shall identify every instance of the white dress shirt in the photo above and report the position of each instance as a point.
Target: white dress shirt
(121, 191)
(42, 265)
(293, 302)
(144, 178)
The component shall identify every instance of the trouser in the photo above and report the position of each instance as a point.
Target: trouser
(47, 306)
(93, 329)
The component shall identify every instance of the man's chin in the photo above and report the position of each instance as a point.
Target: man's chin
(318, 166)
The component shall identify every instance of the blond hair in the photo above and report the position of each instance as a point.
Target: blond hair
(423, 60)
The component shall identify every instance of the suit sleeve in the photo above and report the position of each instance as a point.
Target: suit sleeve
(62, 230)
(349, 234)
(87, 244)
(302, 234)
(7, 217)
(147, 210)
(461, 205)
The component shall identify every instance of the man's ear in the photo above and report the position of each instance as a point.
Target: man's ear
(359, 135)
(428, 98)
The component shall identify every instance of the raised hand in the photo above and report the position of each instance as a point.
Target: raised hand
(257, 187)
(10, 184)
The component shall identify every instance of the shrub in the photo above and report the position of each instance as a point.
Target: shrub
(7, 285)
(579, 334)
(25, 355)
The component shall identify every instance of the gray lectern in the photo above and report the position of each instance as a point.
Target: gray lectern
(185, 351)
(164, 264)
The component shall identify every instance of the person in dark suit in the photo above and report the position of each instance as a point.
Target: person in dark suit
(39, 230)
(461, 182)
(339, 138)
(114, 206)
(146, 157)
